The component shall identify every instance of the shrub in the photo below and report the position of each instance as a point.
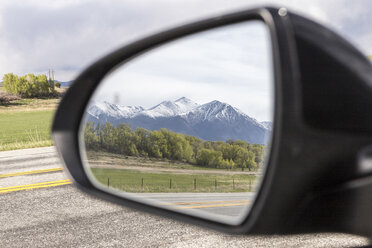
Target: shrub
(6, 98)
(166, 144)
(29, 85)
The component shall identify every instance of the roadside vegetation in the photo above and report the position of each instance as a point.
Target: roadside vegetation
(29, 85)
(27, 106)
(165, 144)
(101, 159)
(164, 161)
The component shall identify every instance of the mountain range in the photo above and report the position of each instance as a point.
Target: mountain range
(212, 121)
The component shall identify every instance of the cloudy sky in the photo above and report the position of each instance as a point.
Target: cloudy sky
(68, 35)
(231, 64)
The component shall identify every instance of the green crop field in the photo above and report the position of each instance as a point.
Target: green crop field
(142, 181)
(25, 129)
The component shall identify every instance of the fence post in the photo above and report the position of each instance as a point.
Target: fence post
(142, 184)
(108, 182)
(215, 184)
(194, 183)
(233, 184)
(170, 183)
(250, 185)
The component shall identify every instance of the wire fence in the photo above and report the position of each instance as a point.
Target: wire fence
(180, 184)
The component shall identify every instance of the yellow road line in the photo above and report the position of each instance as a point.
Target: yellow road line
(211, 206)
(34, 186)
(30, 185)
(30, 172)
(194, 203)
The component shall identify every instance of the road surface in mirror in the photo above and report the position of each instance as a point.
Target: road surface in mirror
(187, 125)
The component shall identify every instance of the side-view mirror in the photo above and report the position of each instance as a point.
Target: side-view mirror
(253, 122)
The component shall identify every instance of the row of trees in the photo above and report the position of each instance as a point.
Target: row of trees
(29, 85)
(171, 145)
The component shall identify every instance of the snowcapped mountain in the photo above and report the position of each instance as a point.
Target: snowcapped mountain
(211, 121)
(267, 124)
(220, 121)
(169, 108)
(216, 110)
(105, 111)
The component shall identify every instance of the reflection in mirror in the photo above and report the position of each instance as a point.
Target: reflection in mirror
(186, 125)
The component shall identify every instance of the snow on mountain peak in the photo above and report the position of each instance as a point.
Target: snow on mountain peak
(185, 100)
(216, 110)
(116, 111)
(267, 124)
(214, 120)
(213, 110)
(171, 108)
(184, 107)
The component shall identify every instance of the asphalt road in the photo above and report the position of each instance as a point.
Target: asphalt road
(228, 207)
(40, 208)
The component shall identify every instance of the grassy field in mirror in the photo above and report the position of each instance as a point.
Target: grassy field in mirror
(147, 161)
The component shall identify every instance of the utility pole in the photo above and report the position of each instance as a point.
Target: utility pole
(51, 74)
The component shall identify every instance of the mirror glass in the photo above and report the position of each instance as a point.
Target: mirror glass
(186, 125)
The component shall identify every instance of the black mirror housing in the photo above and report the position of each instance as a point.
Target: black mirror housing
(314, 182)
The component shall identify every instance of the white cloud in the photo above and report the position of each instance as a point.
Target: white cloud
(68, 35)
(230, 64)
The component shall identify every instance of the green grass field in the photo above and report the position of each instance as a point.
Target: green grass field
(139, 181)
(26, 123)
(25, 129)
